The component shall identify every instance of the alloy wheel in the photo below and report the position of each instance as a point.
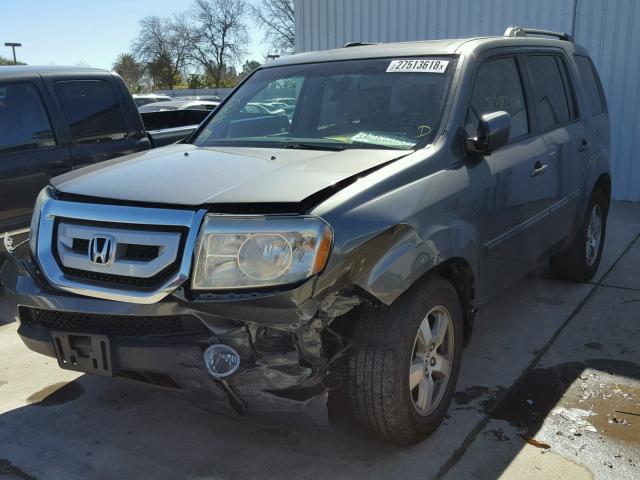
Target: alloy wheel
(594, 234)
(431, 360)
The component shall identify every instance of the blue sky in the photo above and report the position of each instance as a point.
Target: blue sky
(68, 32)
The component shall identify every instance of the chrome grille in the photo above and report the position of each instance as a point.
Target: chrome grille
(115, 252)
(140, 254)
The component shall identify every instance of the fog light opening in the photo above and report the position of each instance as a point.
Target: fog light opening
(221, 361)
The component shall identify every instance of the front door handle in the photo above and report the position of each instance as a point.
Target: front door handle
(538, 168)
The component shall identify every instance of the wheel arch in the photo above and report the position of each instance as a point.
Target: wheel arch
(604, 183)
(451, 252)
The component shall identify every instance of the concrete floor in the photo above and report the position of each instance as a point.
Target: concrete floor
(554, 362)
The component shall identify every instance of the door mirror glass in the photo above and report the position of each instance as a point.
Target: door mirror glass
(493, 133)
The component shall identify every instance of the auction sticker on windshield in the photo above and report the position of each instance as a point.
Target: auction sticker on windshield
(418, 66)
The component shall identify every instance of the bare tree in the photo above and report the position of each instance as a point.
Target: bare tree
(276, 18)
(220, 36)
(162, 48)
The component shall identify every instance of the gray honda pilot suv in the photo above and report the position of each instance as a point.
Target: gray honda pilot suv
(329, 231)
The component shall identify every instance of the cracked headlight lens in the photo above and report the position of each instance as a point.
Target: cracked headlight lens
(252, 252)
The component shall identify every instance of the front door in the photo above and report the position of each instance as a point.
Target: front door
(510, 204)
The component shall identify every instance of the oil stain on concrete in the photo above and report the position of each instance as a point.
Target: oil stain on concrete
(465, 398)
(56, 394)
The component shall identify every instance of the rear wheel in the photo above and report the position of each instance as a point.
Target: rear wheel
(580, 261)
(405, 363)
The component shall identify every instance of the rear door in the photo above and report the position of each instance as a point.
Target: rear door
(596, 107)
(565, 135)
(510, 203)
(30, 151)
(596, 101)
(96, 120)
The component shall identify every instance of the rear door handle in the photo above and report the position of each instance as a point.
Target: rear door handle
(584, 145)
(538, 168)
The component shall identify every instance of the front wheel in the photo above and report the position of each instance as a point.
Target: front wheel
(579, 262)
(405, 363)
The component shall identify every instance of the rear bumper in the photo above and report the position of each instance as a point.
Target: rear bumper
(267, 368)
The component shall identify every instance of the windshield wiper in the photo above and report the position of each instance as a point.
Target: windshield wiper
(315, 146)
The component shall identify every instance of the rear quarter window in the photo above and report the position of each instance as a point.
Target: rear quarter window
(91, 108)
(591, 84)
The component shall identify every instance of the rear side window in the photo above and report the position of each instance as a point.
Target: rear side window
(24, 123)
(554, 106)
(92, 110)
(591, 83)
(498, 87)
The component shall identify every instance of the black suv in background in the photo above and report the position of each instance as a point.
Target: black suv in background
(55, 119)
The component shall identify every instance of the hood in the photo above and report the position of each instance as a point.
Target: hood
(190, 175)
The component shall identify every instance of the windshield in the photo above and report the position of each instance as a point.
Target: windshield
(372, 103)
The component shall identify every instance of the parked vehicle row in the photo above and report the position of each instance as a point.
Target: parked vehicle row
(147, 98)
(338, 250)
(170, 105)
(183, 102)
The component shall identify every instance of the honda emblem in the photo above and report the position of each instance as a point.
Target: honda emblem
(102, 250)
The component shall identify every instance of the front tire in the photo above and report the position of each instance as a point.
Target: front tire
(405, 362)
(580, 261)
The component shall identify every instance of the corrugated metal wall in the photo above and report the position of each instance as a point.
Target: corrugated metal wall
(609, 30)
(323, 24)
(605, 27)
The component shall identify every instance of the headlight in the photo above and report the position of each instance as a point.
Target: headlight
(250, 252)
(43, 197)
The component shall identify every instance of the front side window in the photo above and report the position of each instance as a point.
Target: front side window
(371, 103)
(92, 110)
(498, 87)
(553, 105)
(24, 123)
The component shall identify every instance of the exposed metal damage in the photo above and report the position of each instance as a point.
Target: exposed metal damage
(290, 368)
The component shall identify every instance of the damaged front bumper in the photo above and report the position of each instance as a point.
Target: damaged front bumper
(286, 360)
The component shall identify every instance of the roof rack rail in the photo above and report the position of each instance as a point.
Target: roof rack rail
(524, 32)
(357, 44)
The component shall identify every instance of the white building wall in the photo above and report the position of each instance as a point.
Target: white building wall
(604, 27)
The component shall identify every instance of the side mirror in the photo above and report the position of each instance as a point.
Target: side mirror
(493, 133)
